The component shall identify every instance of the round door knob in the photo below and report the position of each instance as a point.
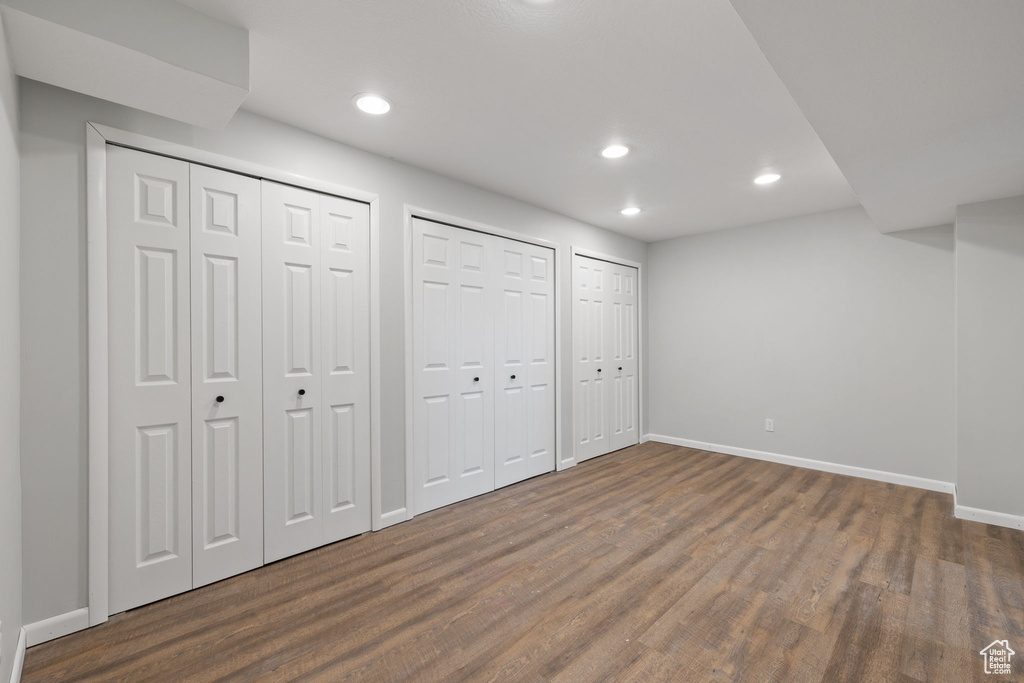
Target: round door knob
(620, 367)
(302, 392)
(513, 376)
(476, 379)
(220, 399)
(599, 369)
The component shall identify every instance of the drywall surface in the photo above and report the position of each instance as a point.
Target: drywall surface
(54, 298)
(842, 335)
(10, 357)
(990, 355)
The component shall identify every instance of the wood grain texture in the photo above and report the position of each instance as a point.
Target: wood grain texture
(655, 563)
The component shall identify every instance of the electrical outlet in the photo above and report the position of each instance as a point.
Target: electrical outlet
(769, 424)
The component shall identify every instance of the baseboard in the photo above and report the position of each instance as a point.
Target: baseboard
(986, 516)
(989, 517)
(645, 438)
(394, 517)
(806, 463)
(55, 627)
(19, 657)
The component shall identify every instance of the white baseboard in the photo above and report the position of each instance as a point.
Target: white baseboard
(986, 516)
(394, 517)
(645, 438)
(19, 657)
(55, 627)
(821, 465)
(989, 517)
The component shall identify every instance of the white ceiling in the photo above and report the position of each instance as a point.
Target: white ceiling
(159, 57)
(921, 102)
(519, 97)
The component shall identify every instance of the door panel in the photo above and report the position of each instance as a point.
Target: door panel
(292, 341)
(524, 434)
(345, 369)
(227, 435)
(453, 415)
(623, 365)
(150, 384)
(605, 339)
(590, 340)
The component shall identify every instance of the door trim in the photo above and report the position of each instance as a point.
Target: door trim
(98, 137)
(641, 293)
(410, 213)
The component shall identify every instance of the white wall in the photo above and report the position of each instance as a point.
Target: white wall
(841, 334)
(54, 297)
(990, 355)
(10, 460)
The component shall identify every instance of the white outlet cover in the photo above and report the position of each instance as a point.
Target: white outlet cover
(769, 424)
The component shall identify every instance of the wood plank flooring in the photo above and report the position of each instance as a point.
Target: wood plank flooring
(656, 563)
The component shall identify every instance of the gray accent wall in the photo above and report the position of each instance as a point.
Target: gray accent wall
(990, 355)
(53, 279)
(10, 359)
(843, 335)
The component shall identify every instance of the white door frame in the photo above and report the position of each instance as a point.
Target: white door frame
(641, 384)
(412, 212)
(97, 138)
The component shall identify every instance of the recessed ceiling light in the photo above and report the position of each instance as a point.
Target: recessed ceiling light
(767, 178)
(372, 104)
(614, 151)
(630, 211)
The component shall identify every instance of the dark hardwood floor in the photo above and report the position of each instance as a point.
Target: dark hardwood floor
(655, 563)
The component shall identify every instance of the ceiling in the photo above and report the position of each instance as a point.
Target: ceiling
(519, 96)
(920, 102)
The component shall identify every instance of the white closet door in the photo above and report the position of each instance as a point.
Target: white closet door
(623, 368)
(524, 377)
(345, 249)
(293, 465)
(453, 370)
(591, 340)
(150, 392)
(227, 371)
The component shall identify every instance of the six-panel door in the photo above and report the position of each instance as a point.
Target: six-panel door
(483, 363)
(292, 342)
(624, 366)
(150, 381)
(606, 356)
(524, 374)
(590, 354)
(453, 364)
(192, 425)
(227, 375)
(345, 367)
(316, 367)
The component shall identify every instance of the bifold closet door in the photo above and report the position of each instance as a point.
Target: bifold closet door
(315, 369)
(524, 371)
(345, 373)
(483, 363)
(590, 339)
(227, 372)
(453, 368)
(624, 368)
(605, 348)
(292, 461)
(150, 378)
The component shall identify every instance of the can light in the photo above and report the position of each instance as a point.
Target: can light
(614, 151)
(372, 104)
(630, 211)
(767, 178)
